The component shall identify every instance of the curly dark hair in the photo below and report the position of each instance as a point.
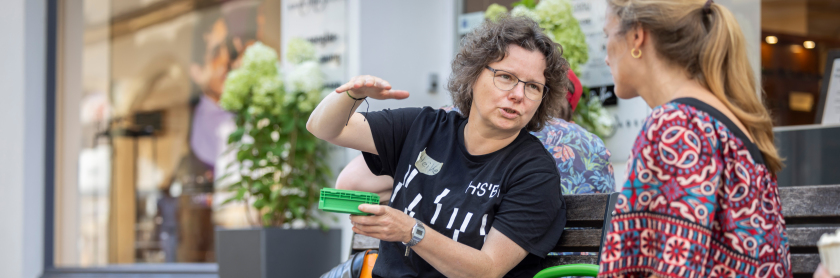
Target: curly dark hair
(489, 43)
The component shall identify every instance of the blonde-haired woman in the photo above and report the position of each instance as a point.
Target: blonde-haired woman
(701, 198)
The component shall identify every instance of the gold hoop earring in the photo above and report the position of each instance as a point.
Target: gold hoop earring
(633, 53)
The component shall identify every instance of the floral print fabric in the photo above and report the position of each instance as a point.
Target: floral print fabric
(581, 158)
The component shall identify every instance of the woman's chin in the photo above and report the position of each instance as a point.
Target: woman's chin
(625, 95)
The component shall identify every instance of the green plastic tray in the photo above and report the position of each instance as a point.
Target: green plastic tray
(345, 201)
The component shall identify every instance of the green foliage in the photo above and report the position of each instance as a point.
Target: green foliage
(555, 17)
(592, 116)
(282, 167)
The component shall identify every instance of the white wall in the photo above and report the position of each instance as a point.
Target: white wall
(403, 42)
(22, 114)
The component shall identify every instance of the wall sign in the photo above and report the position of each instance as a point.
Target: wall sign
(591, 16)
(323, 23)
(829, 108)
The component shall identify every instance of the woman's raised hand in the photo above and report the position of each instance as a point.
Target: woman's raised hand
(371, 86)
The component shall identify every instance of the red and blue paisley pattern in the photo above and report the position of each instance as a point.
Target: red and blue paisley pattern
(697, 203)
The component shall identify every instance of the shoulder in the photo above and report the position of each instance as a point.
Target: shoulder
(676, 121)
(530, 157)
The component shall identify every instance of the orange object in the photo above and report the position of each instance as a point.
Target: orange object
(367, 266)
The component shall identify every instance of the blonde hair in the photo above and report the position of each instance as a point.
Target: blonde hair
(706, 40)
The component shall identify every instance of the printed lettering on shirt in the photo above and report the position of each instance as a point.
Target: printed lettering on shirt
(406, 180)
(414, 203)
(483, 224)
(464, 224)
(439, 205)
(480, 189)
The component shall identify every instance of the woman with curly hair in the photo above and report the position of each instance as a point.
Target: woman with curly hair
(474, 193)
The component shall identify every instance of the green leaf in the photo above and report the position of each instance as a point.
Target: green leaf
(236, 136)
(527, 3)
(259, 204)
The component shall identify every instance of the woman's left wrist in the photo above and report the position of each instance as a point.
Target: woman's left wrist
(407, 233)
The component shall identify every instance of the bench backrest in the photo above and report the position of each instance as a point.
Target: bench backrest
(809, 211)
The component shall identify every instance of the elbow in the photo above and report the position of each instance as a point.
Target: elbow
(312, 127)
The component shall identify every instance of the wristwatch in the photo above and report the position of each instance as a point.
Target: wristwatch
(417, 234)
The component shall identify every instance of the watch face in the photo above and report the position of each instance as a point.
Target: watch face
(419, 233)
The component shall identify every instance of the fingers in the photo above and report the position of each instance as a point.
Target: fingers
(375, 209)
(346, 86)
(398, 94)
(364, 81)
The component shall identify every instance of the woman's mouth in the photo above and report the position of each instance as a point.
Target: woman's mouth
(509, 113)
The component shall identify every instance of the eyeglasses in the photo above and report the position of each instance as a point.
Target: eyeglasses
(506, 81)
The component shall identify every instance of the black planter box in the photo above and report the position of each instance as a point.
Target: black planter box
(276, 252)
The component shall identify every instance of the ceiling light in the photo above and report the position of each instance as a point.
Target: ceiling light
(809, 44)
(771, 39)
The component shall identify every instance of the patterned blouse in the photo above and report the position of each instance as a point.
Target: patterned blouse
(582, 159)
(698, 202)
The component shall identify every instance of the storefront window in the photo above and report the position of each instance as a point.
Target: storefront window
(141, 137)
(796, 38)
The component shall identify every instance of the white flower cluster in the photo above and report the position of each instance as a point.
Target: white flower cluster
(258, 86)
(299, 51)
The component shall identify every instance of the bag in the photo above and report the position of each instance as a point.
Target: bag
(360, 265)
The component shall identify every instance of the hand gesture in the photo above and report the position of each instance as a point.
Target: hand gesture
(371, 86)
(386, 223)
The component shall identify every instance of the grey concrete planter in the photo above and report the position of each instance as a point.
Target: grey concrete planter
(275, 252)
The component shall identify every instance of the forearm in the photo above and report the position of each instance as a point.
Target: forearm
(330, 118)
(454, 259)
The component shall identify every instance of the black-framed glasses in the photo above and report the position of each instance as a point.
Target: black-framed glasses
(506, 81)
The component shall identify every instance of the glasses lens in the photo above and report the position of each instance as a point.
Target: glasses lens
(505, 81)
(534, 91)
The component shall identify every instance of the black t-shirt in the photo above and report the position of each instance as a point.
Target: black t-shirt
(515, 189)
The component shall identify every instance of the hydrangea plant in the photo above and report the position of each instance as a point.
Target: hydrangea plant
(282, 167)
(555, 17)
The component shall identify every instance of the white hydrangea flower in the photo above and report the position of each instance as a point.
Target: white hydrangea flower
(305, 77)
(521, 10)
(299, 50)
(265, 91)
(235, 90)
(494, 12)
(260, 60)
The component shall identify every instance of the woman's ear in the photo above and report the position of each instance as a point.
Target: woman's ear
(636, 37)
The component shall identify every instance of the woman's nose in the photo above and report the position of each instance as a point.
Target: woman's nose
(518, 92)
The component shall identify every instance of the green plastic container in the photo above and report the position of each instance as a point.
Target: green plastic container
(345, 201)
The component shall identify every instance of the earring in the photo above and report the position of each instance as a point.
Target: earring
(633, 53)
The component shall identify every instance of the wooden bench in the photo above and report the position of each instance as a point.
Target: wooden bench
(809, 212)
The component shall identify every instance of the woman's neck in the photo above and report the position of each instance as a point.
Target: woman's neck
(480, 140)
(664, 83)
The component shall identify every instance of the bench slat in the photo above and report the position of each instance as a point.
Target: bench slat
(811, 204)
(570, 259)
(801, 264)
(804, 264)
(363, 242)
(805, 237)
(586, 210)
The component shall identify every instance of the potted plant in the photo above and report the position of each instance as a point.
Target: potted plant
(555, 16)
(280, 168)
